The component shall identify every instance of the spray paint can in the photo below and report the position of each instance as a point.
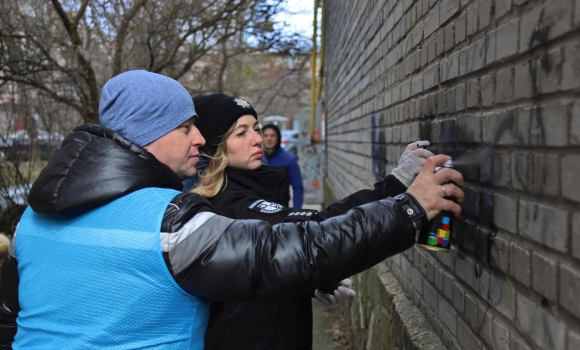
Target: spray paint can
(437, 234)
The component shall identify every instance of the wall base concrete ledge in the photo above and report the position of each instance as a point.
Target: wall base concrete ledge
(382, 317)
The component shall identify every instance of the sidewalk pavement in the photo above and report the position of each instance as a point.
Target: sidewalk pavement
(327, 332)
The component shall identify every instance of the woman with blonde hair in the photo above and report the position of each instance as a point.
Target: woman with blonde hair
(239, 186)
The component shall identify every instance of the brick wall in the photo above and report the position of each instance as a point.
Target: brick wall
(493, 83)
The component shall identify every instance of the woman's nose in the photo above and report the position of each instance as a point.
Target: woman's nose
(258, 139)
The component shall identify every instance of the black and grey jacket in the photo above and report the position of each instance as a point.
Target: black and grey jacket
(211, 256)
(279, 323)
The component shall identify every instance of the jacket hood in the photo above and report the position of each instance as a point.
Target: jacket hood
(93, 167)
(278, 133)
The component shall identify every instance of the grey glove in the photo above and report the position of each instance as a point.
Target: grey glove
(412, 162)
(342, 293)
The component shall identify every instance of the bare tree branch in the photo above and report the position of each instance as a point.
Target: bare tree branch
(65, 19)
(271, 100)
(204, 44)
(86, 66)
(48, 91)
(80, 14)
(122, 34)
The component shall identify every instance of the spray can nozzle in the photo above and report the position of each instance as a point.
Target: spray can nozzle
(447, 164)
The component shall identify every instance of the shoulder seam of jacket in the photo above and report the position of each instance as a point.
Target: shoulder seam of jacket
(169, 240)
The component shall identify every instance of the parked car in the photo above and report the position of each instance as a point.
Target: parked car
(290, 141)
(16, 146)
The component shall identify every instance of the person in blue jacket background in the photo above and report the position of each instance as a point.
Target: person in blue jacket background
(276, 156)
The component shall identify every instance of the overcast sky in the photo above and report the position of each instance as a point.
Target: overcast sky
(300, 17)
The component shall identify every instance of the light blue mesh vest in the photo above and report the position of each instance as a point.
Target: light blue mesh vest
(99, 281)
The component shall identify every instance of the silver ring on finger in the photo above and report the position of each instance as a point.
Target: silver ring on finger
(444, 191)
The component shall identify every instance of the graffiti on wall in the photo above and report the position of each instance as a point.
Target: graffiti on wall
(525, 171)
(311, 162)
(379, 163)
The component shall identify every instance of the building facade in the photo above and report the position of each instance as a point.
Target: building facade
(495, 84)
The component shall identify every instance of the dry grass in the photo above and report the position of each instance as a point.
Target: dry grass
(340, 340)
(19, 172)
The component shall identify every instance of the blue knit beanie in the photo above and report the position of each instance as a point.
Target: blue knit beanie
(143, 106)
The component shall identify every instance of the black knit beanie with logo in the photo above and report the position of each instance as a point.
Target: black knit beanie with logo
(217, 113)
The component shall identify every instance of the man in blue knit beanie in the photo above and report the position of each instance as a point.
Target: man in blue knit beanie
(143, 106)
(153, 111)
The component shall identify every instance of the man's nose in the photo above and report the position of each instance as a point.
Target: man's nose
(197, 139)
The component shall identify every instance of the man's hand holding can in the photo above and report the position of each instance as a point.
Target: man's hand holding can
(430, 188)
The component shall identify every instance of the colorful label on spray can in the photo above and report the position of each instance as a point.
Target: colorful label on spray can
(437, 236)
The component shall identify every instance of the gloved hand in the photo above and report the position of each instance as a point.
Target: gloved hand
(341, 294)
(412, 162)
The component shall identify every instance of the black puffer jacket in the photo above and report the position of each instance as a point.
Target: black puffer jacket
(283, 323)
(211, 256)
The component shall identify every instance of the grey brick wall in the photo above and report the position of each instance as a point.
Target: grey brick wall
(495, 83)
